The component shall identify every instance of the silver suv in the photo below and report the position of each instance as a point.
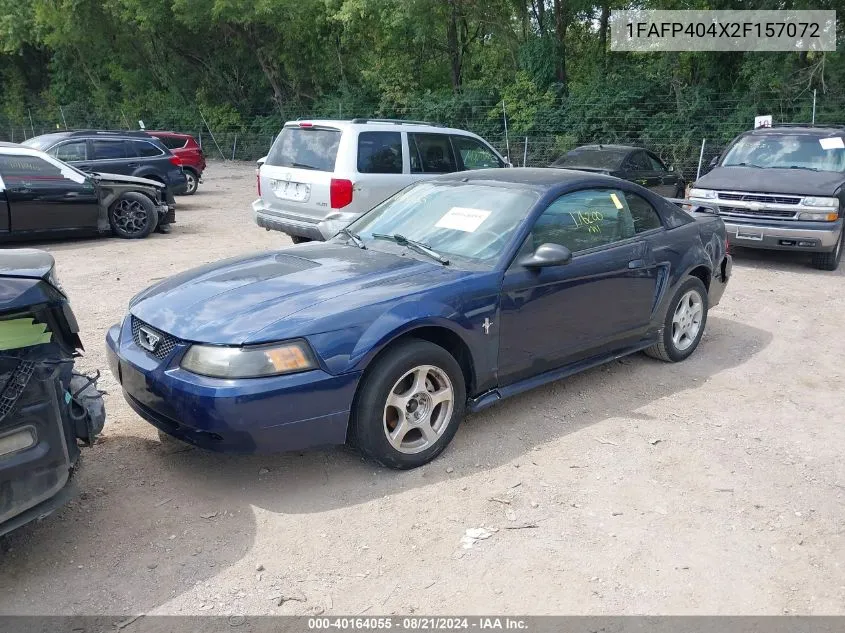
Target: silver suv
(321, 175)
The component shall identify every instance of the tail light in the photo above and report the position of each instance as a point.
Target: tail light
(175, 160)
(258, 181)
(340, 193)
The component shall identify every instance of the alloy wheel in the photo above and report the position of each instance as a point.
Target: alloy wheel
(130, 216)
(686, 322)
(418, 410)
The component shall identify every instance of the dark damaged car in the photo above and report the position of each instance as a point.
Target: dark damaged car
(449, 296)
(40, 196)
(47, 409)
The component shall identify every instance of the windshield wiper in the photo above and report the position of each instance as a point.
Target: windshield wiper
(353, 237)
(799, 167)
(744, 165)
(302, 166)
(417, 246)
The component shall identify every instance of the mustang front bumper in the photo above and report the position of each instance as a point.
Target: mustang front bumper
(267, 415)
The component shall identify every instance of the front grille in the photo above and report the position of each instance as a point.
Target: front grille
(756, 197)
(771, 213)
(164, 346)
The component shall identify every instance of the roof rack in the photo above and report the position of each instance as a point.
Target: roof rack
(140, 133)
(811, 125)
(395, 122)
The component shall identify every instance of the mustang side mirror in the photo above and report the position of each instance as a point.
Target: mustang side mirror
(713, 162)
(671, 168)
(547, 255)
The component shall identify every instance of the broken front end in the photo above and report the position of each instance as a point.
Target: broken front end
(47, 410)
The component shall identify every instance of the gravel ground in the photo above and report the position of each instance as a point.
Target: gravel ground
(711, 486)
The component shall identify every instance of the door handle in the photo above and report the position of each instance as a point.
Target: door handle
(83, 167)
(72, 194)
(133, 165)
(636, 263)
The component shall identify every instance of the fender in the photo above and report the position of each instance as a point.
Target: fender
(401, 319)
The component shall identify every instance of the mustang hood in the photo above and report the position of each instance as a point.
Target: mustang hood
(230, 302)
(800, 182)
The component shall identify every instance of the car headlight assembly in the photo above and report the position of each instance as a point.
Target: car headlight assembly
(53, 280)
(826, 203)
(251, 361)
(819, 216)
(706, 194)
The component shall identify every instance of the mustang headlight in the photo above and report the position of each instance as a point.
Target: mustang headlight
(706, 194)
(252, 361)
(827, 203)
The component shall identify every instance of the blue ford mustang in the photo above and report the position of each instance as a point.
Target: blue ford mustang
(449, 296)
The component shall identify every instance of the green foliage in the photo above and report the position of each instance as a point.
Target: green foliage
(249, 65)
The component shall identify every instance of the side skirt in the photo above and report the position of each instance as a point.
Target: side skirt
(489, 398)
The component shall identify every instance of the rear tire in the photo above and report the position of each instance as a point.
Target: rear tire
(193, 182)
(133, 216)
(684, 323)
(830, 260)
(409, 405)
(297, 239)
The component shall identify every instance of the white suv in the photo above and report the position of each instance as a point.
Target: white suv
(321, 175)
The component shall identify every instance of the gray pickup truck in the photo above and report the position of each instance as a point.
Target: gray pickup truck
(782, 188)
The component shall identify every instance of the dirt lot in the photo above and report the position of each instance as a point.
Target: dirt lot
(712, 486)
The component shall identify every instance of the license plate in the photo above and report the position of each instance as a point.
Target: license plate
(288, 190)
(756, 236)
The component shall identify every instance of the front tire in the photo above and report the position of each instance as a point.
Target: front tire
(683, 326)
(133, 216)
(409, 406)
(830, 260)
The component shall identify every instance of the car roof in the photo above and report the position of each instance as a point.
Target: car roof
(167, 133)
(5, 144)
(610, 147)
(381, 124)
(543, 177)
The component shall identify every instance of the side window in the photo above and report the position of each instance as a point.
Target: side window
(643, 214)
(380, 153)
(584, 219)
(475, 155)
(146, 149)
(173, 142)
(434, 153)
(75, 150)
(656, 165)
(638, 162)
(29, 170)
(106, 149)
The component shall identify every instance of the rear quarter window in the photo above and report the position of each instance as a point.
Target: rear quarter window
(305, 148)
(173, 142)
(146, 149)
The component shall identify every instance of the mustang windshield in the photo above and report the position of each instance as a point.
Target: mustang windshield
(788, 151)
(464, 220)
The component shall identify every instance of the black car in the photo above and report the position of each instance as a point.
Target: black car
(121, 152)
(782, 188)
(42, 196)
(46, 408)
(629, 163)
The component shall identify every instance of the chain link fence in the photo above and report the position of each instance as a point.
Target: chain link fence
(682, 131)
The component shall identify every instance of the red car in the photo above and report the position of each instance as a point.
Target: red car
(188, 151)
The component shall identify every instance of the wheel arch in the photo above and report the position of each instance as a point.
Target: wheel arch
(436, 333)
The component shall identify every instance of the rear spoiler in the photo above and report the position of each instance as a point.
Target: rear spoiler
(711, 207)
